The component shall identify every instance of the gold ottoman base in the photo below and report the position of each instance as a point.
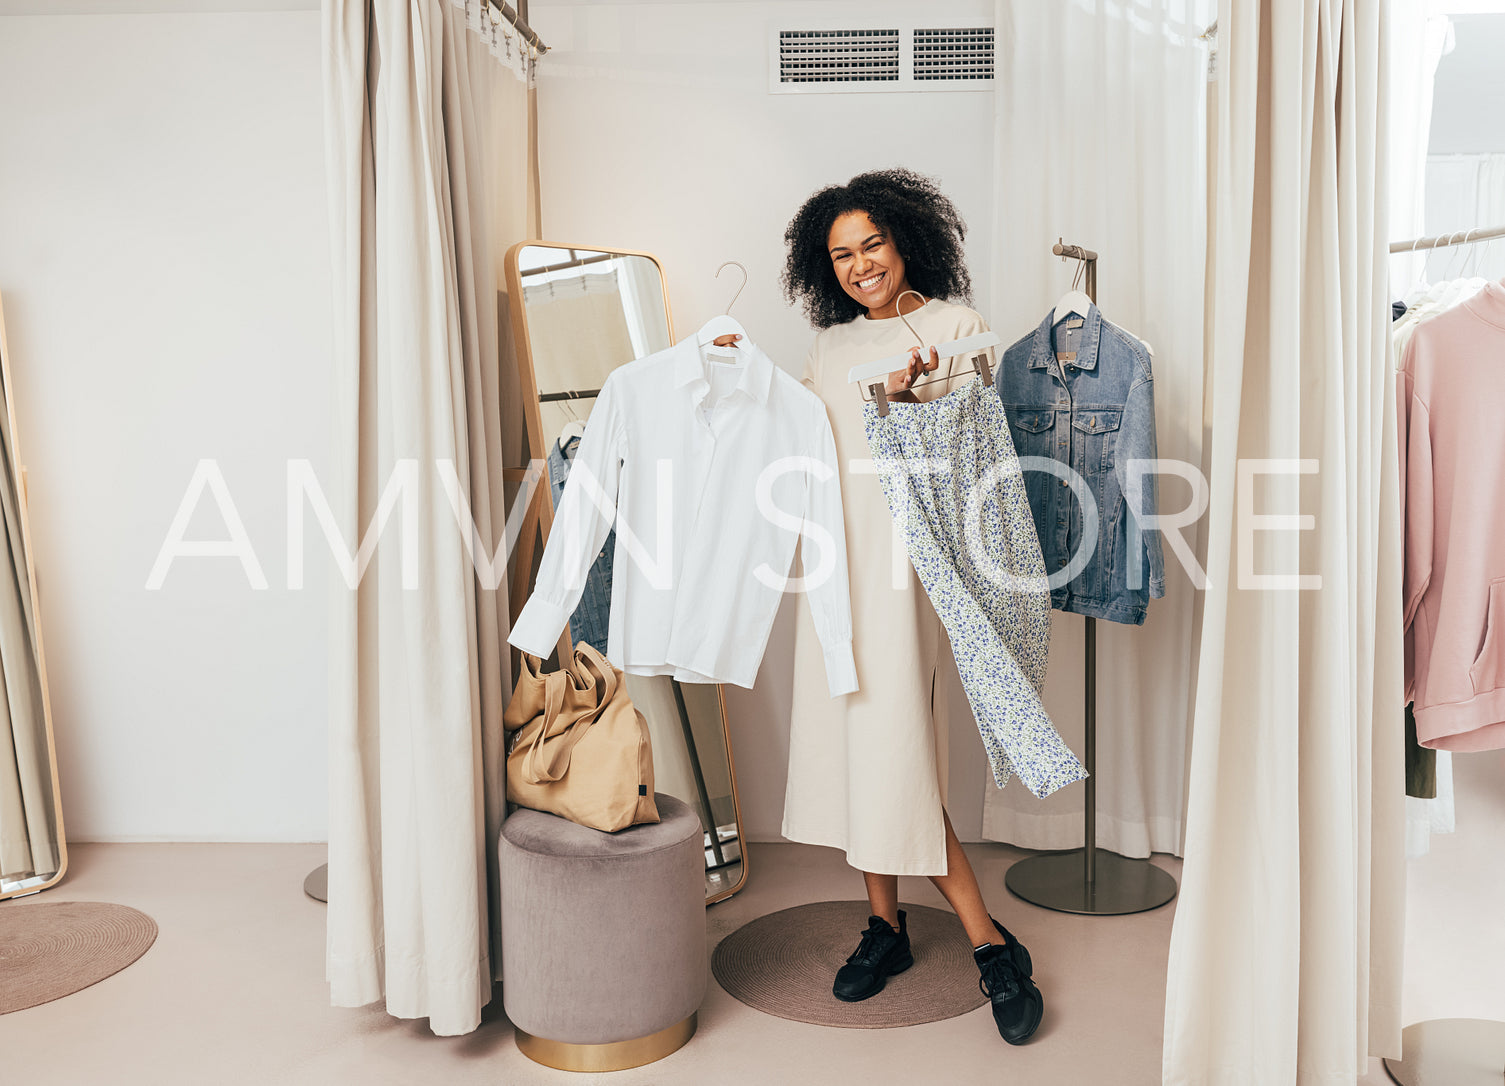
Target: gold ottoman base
(616, 1056)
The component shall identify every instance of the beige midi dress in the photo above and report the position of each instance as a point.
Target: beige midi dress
(867, 771)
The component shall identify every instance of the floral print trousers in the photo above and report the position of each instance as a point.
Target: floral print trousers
(952, 480)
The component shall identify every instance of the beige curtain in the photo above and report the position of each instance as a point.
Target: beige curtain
(28, 826)
(1285, 954)
(427, 154)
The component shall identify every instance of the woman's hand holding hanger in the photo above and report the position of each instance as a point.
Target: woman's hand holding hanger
(899, 382)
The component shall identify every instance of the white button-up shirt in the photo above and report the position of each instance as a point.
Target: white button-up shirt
(711, 467)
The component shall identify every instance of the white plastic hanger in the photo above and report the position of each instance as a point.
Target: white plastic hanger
(574, 428)
(868, 372)
(884, 366)
(725, 325)
(1073, 301)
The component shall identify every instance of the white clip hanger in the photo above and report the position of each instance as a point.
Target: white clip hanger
(868, 371)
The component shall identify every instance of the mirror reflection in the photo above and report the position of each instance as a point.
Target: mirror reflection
(32, 854)
(588, 311)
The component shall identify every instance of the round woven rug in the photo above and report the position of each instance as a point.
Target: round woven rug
(49, 951)
(783, 964)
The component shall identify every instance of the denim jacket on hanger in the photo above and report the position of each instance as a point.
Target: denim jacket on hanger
(593, 612)
(1093, 414)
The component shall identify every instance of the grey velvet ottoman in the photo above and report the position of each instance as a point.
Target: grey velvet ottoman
(603, 937)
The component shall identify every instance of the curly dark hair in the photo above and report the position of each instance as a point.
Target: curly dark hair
(922, 223)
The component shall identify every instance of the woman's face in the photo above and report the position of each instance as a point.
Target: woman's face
(867, 265)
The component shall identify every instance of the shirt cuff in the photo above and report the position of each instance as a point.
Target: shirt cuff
(538, 627)
(841, 669)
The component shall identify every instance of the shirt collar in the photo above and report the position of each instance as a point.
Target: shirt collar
(756, 367)
(1086, 352)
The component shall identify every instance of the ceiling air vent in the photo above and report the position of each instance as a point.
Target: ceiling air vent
(953, 53)
(840, 56)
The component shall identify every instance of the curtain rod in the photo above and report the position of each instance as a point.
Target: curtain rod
(578, 262)
(1444, 241)
(509, 13)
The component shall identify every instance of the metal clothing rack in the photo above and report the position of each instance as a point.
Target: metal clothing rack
(1444, 241)
(1086, 880)
(1455, 1051)
(577, 262)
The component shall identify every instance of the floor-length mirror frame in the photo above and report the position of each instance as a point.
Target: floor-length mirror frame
(23, 503)
(540, 512)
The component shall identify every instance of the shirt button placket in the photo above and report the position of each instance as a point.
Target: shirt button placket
(702, 466)
(1064, 531)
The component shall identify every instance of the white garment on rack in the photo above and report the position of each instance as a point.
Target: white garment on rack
(1428, 299)
(1425, 817)
(710, 483)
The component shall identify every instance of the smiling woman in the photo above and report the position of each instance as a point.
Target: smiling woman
(852, 246)
(867, 770)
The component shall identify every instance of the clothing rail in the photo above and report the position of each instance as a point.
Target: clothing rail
(510, 14)
(580, 394)
(578, 262)
(1444, 241)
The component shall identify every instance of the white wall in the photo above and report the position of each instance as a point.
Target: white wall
(1469, 94)
(164, 270)
(1465, 186)
(657, 132)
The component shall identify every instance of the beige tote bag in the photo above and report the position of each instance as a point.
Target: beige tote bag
(582, 749)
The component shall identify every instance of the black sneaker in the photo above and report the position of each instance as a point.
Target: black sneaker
(882, 953)
(1017, 1004)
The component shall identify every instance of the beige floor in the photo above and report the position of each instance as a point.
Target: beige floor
(233, 991)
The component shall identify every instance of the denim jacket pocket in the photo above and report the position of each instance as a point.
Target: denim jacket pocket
(1097, 437)
(1034, 435)
(1031, 420)
(1100, 425)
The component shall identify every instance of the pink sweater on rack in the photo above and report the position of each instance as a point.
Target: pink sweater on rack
(1451, 392)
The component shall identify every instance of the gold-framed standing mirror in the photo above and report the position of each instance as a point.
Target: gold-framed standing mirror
(578, 312)
(33, 853)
